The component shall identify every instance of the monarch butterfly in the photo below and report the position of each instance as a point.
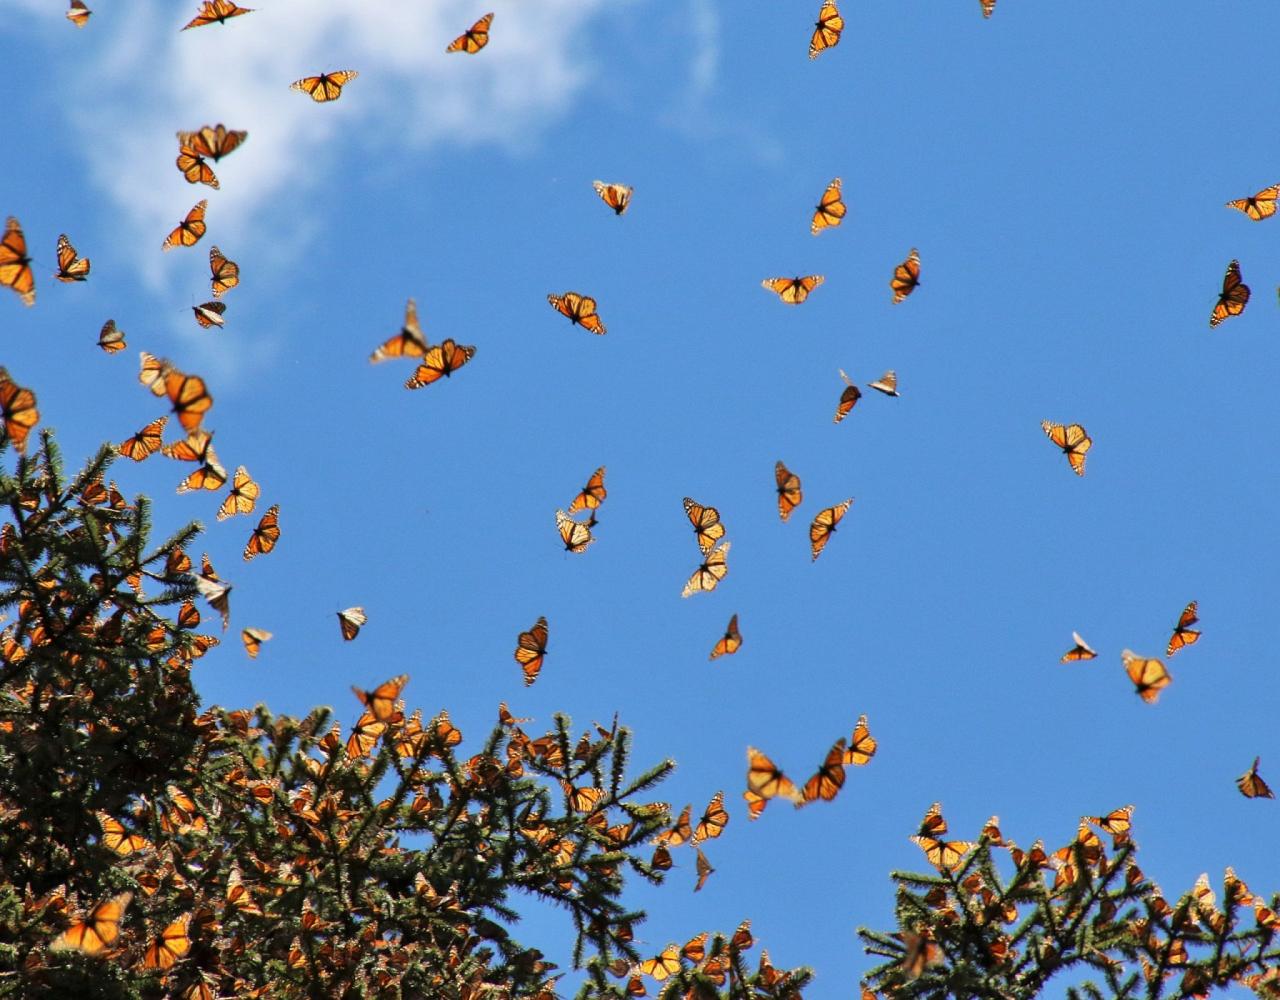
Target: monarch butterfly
(71, 267)
(187, 233)
(351, 621)
(824, 526)
(98, 931)
(707, 577)
(945, 855)
(1260, 206)
(789, 493)
(1080, 651)
(243, 496)
(988, 7)
(78, 14)
(193, 167)
(729, 642)
(616, 196)
(531, 647)
(209, 313)
(214, 142)
(197, 446)
(253, 638)
(409, 342)
(662, 966)
(826, 30)
(1118, 822)
(474, 38)
(1251, 784)
(381, 701)
(828, 781)
(706, 523)
(116, 838)
(265, 535)
(576, 536)
(177, 562)
(793, 291)
(886, 383)
(189, 397)
(705, 871)
(15, 265)
(1234, 296)
(581, 309)
(152, 371)
(18, 409)
(1183, 633)
(326, 86)
(714, 819)
(217, 593)
(1149, 676)
(848, 398)
(215, 10)
(169, 946)
(146, 442)
(225, 273)
(188, 616)
(906, 276)
(679, 833)
(440, 361)
(765, 781)
(592, 495)
(862, 745)
(1072, 439)
(111, 337)
(830, 210)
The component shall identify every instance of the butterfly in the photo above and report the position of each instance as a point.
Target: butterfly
(942, 854)
(829, 779)
(116, 838)
(253, 638)
(15, 265)
(1260, 206)
(789, 494)
(326, 86)
(830, 210)
(98, 931)
(531, 647)
(71, 267)
(826, 30)
(1251, 784)
(707, 576)
(408, 343)
(1149, 676)
(146, 442)
(616, 196)
(765, 781)
(988, 7)
(209, 313)
(1080, 651)
(152, 372)
(848, 398)
(862, 745)
(111, 337)
(170, 945)
(706, 523)
(217, 593)
(793, 291)
(580, 309)
(1118, 822)
(921, 951)
(714, 819)
(474, 38)
(215, 10)
(381, 701)
(1072, 439)
(189, 397)
(576, 536)
(18, 410)
(265, 535)
(194, 168)
(906, 276)
(662, 966)
(187, 233)
(225, 273)
(679, 833)
(213, 142)
(440, 362)
(1183, 633)
(78, 14)
(705, 871)
(1234, 297)
(198, 447)
(243, 496)
(350, 621)
(824, 526)
(886, 383)
(729, 642)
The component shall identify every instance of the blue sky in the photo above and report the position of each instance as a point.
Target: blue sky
(1063, 176)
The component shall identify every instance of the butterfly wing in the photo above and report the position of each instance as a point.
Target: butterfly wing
(1080, 651)
(592, 495)
(350, 621)
(886, 383)
(408, 343)
(616, 196)
(189, 397)
(729, 642)
(707, 577)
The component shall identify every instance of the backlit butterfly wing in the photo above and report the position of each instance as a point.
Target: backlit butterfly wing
(146, 442)
(793, 291)
(1080, 651)
(592, 495)
(789, 493)
(225, 273)
(18, 410)
(824, 526)
(886, 383)
(1183, 633)
(906, 276)
(209, 313)
(1234, 297)
(1072, 439)
(1260, 206)
(217, 593)
(15, 265)
(862, 745)
(679, 833)
(765, 781)
(243, 496)
(71, 267)
(705, 871)
(194, 168)
(408, 343)
(474, 38)
(1251, 784)
(152, 372)
(111, 337)
(729, 642)
(326, 86)
(171, 944)
(215, 12)
(265, 535)
(945, 855)
(616, 196)
(213, 142)
(706, 523)
(826, 30)
(830, 210)
(830, 777)
(707, 577)
(848, 398)
(188, 396)
(531, 647)
(188, 232)
(1149, 676)
(662, 966)
(253, 638)
(714, 819)
(581, 309)
(576, 537)
(116, 838)
(381, 701)
(78, 14)
(440, 362)
(351, 621)
(98, 931)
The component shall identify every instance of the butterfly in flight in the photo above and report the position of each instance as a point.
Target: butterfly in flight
(826, 30)
(765, 781)
(1234, 296)
(581, 309)
(1080, 651)
(906, 276)
(531, 647)
(111, 337)
(474, 38)
(265, 535)
(18, 410)
(714, 568)
(729, 642)
(679, 833)
(15, 265)
(326, 86)
(616, 196)
(862, 745)
(792, 291)
(828, 780)
(945, 855)
(189, 397)
(439, 362)
(350, 621)
(78, 13)
(187, 233)
(215, 142)
(714, 819)
(169, 946)
(243, 496)
(1251, 784)
(886, 383)
(216, 592)
(209, 314)
(789, 493)
(381, 701)
(1259, 206)
(707, 528)
(193, 167)
(704, 869)
(1072, 439)
(215, 12)
(848, 398)
(408, 343)
(146, 442)
(1149, 676)
(592, 495)
(98, 931)
(71, 267)
(253, 638)
(575, 535)
(1183, 633)
(1118, 822)
(830, 210)
(988, 7)
(225, 274)
(824, 526)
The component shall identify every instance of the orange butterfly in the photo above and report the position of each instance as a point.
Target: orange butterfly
(193, 167)
(1260, 206)
(581, 309)
(1251, 784)
(408, 343)
(1183, 633)
(576, 537)
(616, 196)
(826, 30)
(1149, 676)
(98, 931)
(886, 383)
(706, 523)
(265, 535)
(78, 14)
(531, 647)
(71, 267)
(848, 398)
(209, 313)
(592, 495)
(1118, 822)
(1080, 651)
(862, 745)
(187, 233)
(146, 442)
(679, 833)
(253, 638)
(326, 86)
(171, 945)
(705, 871)
(830, 210)
(765, 781)
(988, 7)
(116, 838)
(789, 494)
(111, 337)
(729, 642)
(218, 11)
(189, 397)
(1072, 439)
(152, 372)
(351, 622)
(440, 362)
(906, 276)
(793, 291)
(942, 854)
(824, 526)
(15, 265)
(243, 496)
(714, 819)
(830, 777)
(18, 410)
(213, 142)
(662, 966)
(474, 38)
(217, 593)
(381, 701)
(707, 577)
(225, 273)
(1234, 297)
(198, 447)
